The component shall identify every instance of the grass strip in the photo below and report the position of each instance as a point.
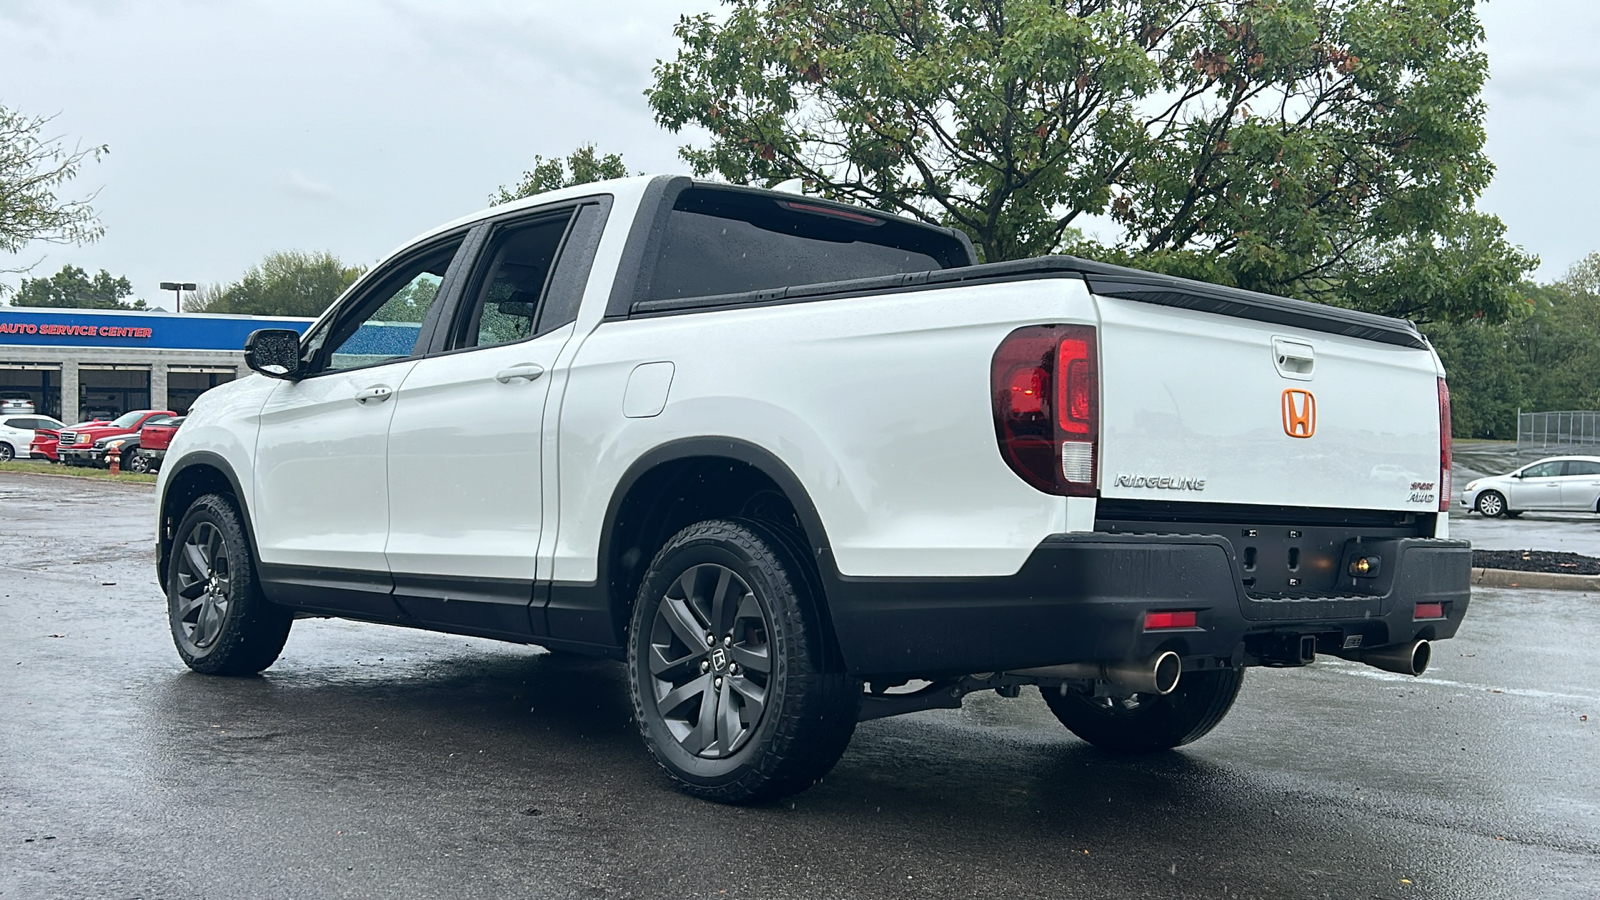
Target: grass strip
(60, 471)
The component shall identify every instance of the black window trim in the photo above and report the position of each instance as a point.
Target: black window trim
(380, 277)
(582, 234)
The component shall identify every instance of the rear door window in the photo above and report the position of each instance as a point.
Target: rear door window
(1582, 467)
(510, 298)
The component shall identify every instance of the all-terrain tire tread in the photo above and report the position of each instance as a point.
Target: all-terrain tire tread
(256, 629)
(1199, 704)
(820, 703)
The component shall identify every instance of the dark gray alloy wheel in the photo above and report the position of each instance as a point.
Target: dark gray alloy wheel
(220, 622)
(1144, 723)
(735, 690)
(1491, 503)
(139, 463)
(6, 452)
(710, 660)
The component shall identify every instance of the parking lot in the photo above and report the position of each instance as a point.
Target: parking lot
(380, 762)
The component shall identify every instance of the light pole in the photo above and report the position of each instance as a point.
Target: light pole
(180, 287)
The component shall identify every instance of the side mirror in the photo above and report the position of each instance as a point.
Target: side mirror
(1516, 475)
(274, 352)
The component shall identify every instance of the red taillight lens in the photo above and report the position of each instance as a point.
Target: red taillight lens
(1027, 391)
(1444, 446)
(1154, 621)
(1046, 386)
(1078, 388)
(1429, 611)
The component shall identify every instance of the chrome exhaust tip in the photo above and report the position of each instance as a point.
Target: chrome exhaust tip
(1404, 659)
(1157, 675)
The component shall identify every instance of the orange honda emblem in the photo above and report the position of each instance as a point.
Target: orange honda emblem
(1299, 413)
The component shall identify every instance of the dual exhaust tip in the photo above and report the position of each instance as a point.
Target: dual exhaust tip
(1160, 673)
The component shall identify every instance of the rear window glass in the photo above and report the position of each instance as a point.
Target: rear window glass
(728, 242)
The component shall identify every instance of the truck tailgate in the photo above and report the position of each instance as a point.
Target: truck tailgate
(1213, 408)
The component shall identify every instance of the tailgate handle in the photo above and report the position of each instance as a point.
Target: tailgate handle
(1293, 359)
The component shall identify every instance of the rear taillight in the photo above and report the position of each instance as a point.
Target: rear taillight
(1045, 381)
(1444, 446)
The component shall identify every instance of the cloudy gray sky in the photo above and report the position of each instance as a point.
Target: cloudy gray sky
(246, 126)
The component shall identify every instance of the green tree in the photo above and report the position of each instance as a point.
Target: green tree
(73, 288)
(286, 283)
(582, 167)
(1326, 149)
(1545, 359)
(33, 169)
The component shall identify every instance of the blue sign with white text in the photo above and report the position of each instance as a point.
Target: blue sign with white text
(154, 330)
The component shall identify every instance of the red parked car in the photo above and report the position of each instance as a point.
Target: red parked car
(154, 438)
(45, 440)
(86, 444)
(44, 444)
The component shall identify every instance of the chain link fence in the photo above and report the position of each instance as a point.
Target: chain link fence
(1544, 429)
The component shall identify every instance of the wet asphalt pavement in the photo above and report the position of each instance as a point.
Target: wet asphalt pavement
(380, 762)
(1566, 532)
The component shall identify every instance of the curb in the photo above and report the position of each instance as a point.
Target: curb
(1550, 581)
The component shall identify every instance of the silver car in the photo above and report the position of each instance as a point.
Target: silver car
(1560, 482)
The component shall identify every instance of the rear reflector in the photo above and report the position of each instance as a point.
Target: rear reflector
(1429, 611)
(1154, 621)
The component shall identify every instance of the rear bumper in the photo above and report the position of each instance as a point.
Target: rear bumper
(1083, 597)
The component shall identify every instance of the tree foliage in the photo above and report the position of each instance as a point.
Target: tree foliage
(1325, 149)
(581, 167)
(33, 170)
(286, 283)
(72, 288)
(1547, 359)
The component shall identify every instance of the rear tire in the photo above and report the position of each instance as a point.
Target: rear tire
(1150, 722)
(139, 464)
(736, 690)
(221, 623)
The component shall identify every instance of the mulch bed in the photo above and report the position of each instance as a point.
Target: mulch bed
(1536, 561)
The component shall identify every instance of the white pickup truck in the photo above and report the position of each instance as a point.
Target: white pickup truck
(801, 464)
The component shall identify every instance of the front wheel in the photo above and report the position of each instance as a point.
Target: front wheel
(1148, 722)
(220, 621)
(1491, 504)
(7, 452)
(139, 464)
(735, 688)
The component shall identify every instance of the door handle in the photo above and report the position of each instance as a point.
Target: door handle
(530, 371)
(376, 394)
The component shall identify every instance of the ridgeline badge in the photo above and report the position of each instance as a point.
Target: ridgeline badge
(1160, 483)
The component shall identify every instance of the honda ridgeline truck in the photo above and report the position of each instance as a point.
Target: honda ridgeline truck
(801, 464)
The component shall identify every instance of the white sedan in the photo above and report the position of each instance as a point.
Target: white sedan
(16, 433)
(1560, 482)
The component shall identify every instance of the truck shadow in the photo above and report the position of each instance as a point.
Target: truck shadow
(925, 805)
